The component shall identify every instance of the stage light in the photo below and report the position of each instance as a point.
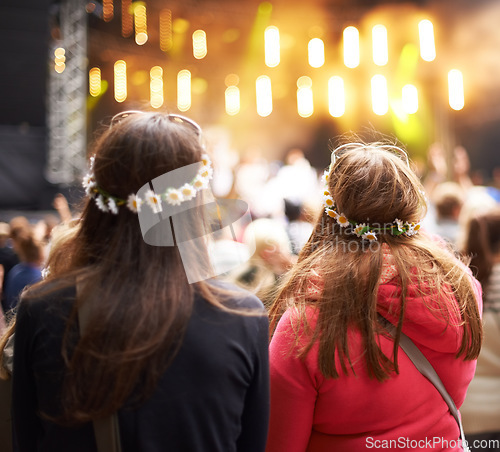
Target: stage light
(120, 77)
(456, 89)
(305, 104)
(199, 44)
(410, 99)
(264, 96)
(140, 22)
(316, 52)
(232, 96)
(156, 86)
(184, 90)
(351, 47)
(336, 96)
(380, 99)
(107, 10)
(166, 40)
(95, 82)
(127, 18)
(272, 46)
(379, 43)
(59, 60)
(426, 36)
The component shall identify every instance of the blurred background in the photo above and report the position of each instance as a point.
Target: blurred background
(261, 78)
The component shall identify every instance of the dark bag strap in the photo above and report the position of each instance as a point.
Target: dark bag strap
(106, 430)
(425, 368)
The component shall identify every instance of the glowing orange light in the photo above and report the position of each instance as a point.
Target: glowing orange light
(199, 44)
(456, 89)
(107, 10)
(127, 18)
(184, 90)
(120, 76)
(95, 85)
(140, 22)
(166, 40)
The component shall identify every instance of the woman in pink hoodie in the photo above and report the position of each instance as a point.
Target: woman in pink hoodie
(339, 381)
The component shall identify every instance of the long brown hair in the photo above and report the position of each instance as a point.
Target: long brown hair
(483, 244)
(370, 184)
(138, 295)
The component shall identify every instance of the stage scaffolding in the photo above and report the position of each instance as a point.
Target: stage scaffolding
(66, 103)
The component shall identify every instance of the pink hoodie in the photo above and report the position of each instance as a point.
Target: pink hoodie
(354, 413)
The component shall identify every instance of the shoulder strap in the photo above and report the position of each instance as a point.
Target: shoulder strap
(106, 430)
(425, 368)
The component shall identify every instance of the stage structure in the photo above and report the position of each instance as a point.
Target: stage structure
(66, 103)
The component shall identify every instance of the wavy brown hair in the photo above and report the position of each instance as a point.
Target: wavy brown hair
(370, 184)
(138, 295)
(483, 244)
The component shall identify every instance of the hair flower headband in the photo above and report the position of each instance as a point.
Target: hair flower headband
(173, 196)
(365, 230)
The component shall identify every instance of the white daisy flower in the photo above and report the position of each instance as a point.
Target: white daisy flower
(134, 203)
(342, 220)
(324, 177)
(328, 201)
(205, 172)
(173, 196)
(205, 159)
(92, 160)
(154, 201)
(188, 192)
(101, 204)
(413, 228)
(113, 208)
(88, 184)
(331, 213)
(399, 224)
(370, 235)
(358, 230)
(200, 183)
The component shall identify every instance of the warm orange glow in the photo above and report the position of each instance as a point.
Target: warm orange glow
(272, 46)
(231, 80)
(156, 86)
(264, 96)
(410, 99)
(59, 60)
(305, 105)
(379, 45)
(107, 10)
(95, 86)
(316, 52)
(336, 96)
(456, 89)
(199, 44)
(140, 22)
(427, 45)
(120, 76)
(166, 41)
(351, 47)
(380, 98)
(232, 95)
(127, 18)
(184, 90)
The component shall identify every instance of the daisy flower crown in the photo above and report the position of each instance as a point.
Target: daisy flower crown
(106, 202)
(364, 230)
(174, 196)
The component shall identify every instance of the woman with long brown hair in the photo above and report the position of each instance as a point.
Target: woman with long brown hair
(481, 409)
(183, 361)
(339, 381)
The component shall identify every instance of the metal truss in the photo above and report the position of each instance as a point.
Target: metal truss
(66, 103)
